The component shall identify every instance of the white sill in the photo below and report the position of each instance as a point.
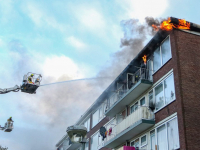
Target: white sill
(164, 106)
(143, 145)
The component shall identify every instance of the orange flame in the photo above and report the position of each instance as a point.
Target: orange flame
(144, 59)
(168, 26)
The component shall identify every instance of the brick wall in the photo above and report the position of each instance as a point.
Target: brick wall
(186, 68)
(188, 53)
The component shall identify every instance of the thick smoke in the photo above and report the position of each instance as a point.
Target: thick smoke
(58, 106)
(135, 36)
(52, 107)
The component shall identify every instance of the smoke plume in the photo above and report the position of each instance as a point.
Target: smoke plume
(58, 106)
(134, 39)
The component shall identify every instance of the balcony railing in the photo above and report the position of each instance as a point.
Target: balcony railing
(130, 148)
(142, 112)
(124, 88)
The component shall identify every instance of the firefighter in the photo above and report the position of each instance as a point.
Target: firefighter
(10, 119)
(30, 78)
(37, 81)
(9, 122)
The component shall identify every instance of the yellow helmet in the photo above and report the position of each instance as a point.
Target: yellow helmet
(32, 75)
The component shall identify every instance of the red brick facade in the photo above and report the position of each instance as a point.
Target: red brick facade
(186, 68)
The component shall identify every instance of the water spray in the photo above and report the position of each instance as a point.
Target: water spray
(75, 80)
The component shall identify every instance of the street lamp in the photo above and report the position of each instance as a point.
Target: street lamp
(77, 134)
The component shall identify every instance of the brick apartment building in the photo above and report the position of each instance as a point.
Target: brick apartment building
(150, 107)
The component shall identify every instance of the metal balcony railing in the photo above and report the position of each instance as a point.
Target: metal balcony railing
(122, 148)
(142, 112)
(124, 88)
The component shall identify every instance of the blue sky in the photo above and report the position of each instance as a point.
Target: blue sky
(63, 40)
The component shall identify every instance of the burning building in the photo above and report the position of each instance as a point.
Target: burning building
(154, 103)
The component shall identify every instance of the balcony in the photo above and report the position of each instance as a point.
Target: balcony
(126, 93)
(135, 123)
(130, 148)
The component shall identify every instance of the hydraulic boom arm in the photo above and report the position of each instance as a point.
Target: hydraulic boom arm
(16, 88)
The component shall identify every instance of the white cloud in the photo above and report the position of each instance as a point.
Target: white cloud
(6, 10)
(90, 17)
(143, 8)
(42, 18)
(58, 67)
(76, 42)
(1, 42)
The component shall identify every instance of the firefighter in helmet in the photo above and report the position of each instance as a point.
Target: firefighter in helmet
(30, 78)
(9, 122)
(10, 119)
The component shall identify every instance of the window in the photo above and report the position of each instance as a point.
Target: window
(98, 115)
(87, 124)
(165, 50)
(119, 118)
(156, 59)
(101, 112)
(152, 138)
(151, 101)
(164, 93)
(95, 118)
(162, 138)
(162, 54)
(135, 143)
(86, 146)
(159, 97)
(143, 140)
(142, 101)
(169, 89)
(94, 142)
(150, 69)
(113, 99)
(134, 107)
(167, 136)
(173, 136)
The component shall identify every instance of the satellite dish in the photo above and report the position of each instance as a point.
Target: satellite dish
(102, 132)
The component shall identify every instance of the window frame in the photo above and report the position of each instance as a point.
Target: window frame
(134, 105)
(93, 117)
(157, 84)
(155, 136)
(161, 54)
(141, 140)
(144, 97)
(138, 138)
(88, 120)
(87, 142)
(164, 92)
(165, 123)
(150, 60)
(96, 133)
(100, 116)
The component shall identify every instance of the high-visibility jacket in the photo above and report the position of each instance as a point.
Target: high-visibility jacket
(30, 79)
